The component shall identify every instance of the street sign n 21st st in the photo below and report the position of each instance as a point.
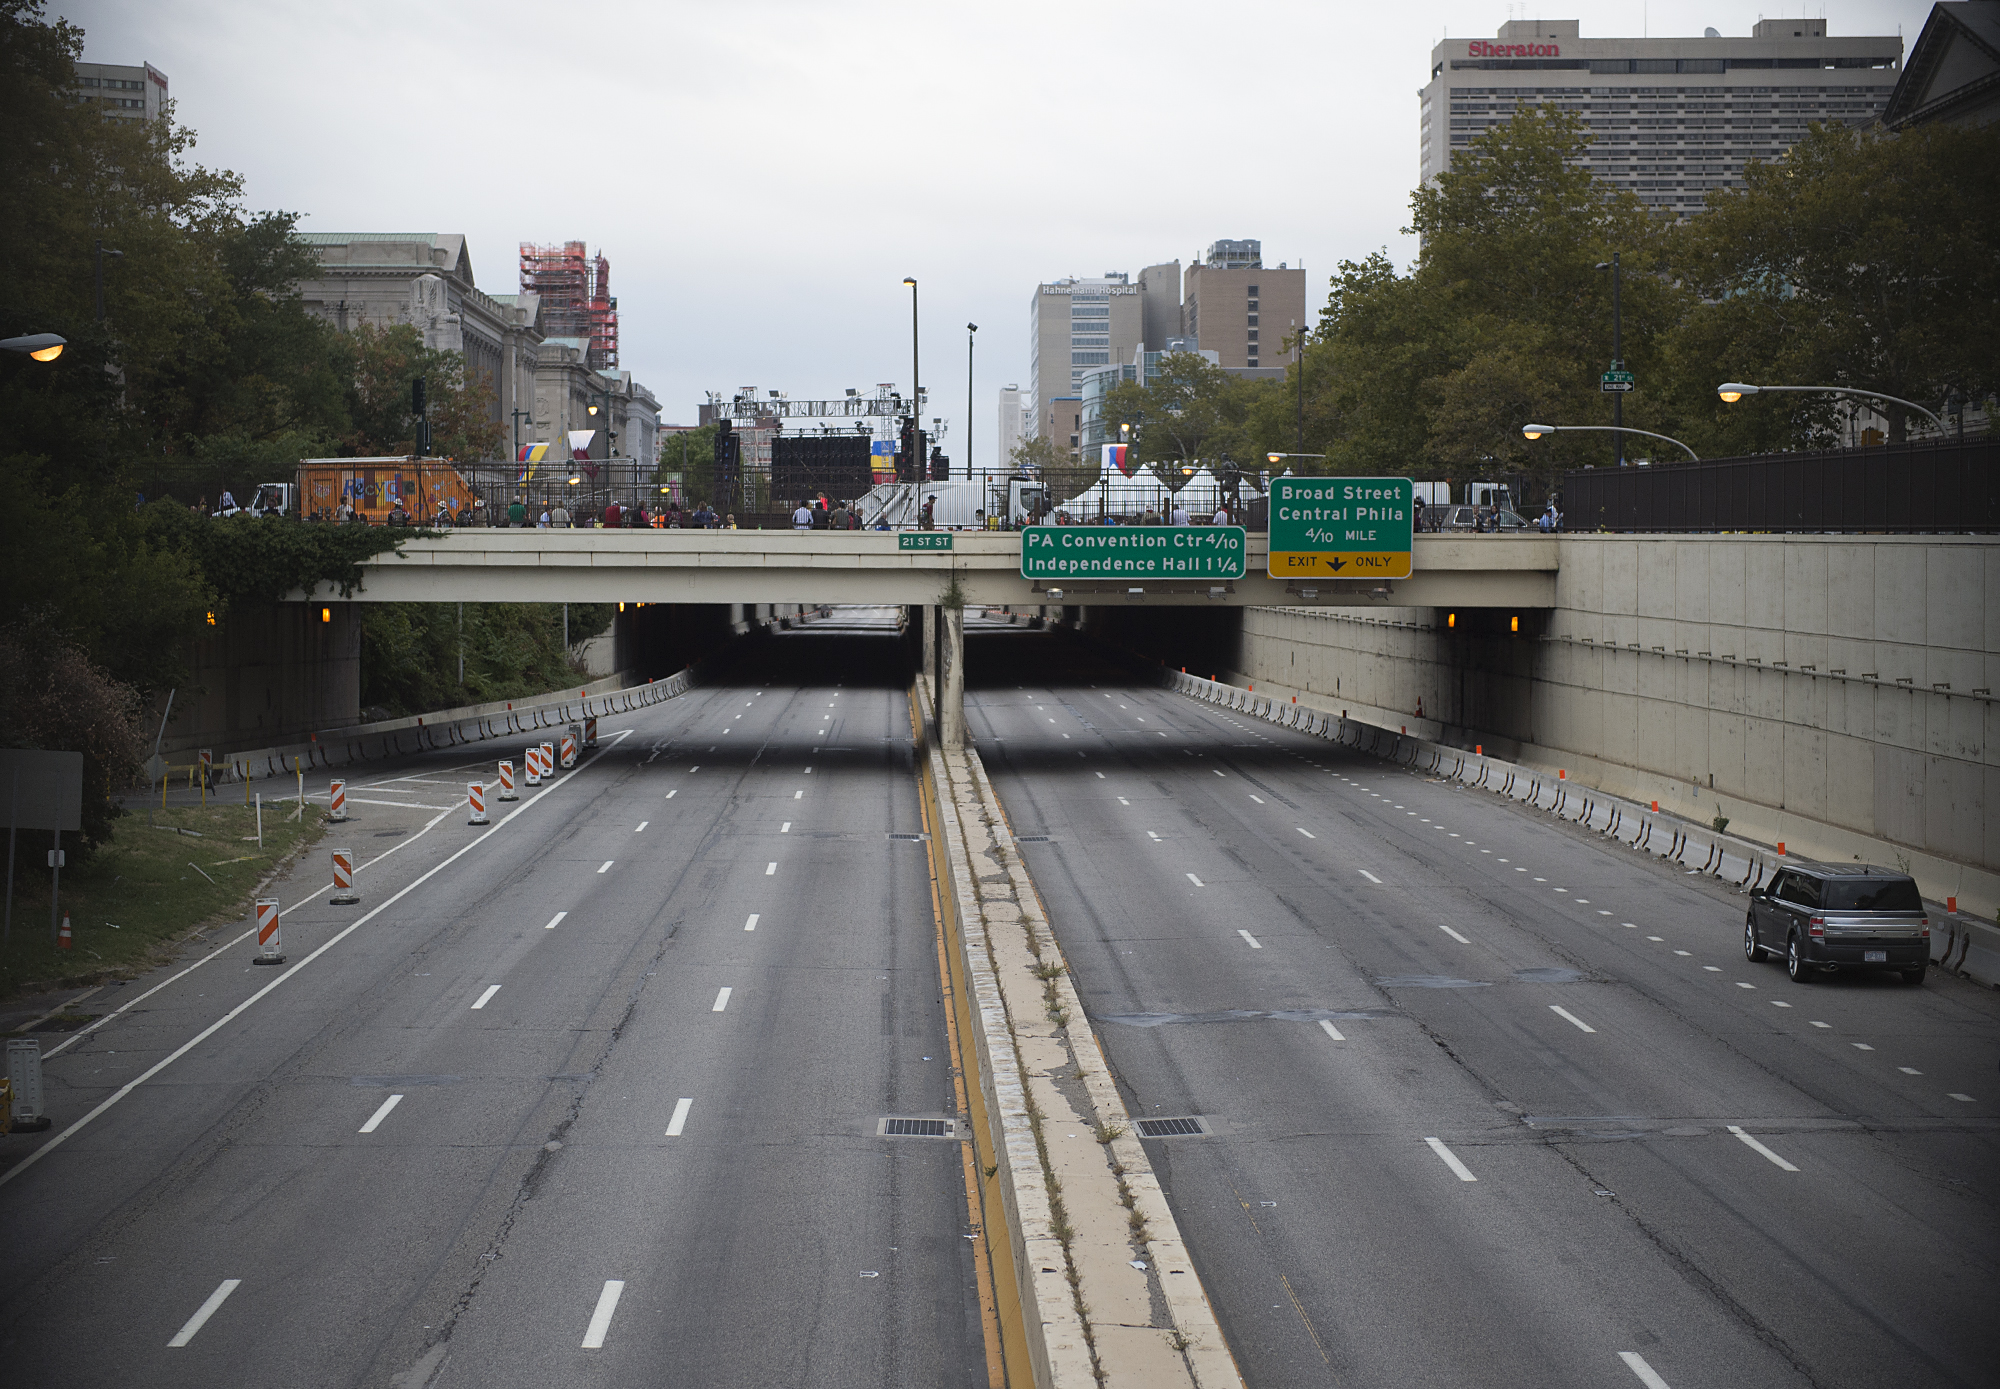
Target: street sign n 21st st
(1341, 527)
(1133, 552)
(1615, 381)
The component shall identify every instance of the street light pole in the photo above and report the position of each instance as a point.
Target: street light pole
(970, 329)
(1617, 364)
(1536, 431)
(520, 415)
(1733, 391)
(97, 274)
(916, 388)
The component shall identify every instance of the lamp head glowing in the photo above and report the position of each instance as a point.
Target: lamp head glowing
(1274, 457)
(43, 347)
(1733, 391)
(47, 354)
(1536, 431)
(910, 280)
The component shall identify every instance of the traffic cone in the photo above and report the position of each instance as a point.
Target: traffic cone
(63, 936)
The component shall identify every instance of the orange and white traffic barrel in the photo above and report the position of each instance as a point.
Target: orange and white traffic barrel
(269, 951)
(344, 894)
(506, 781)
(475, 792)
(339, 810)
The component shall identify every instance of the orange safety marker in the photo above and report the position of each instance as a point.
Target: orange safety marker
(532, 760)
(63, 936)
(270, 952)
(475, 792)
(569, 749)
(344, 894)
(339, 810)
(507, 781)
(548, 759)
(590, 732)
(1781, 848)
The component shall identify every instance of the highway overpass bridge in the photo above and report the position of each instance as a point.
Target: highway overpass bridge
(875, 567)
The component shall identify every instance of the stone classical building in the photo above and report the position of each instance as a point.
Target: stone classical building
(1953, 72)
(542, 386)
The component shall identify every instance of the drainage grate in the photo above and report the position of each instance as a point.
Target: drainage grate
(1170, 1128)
(1034, 839)
(912, 838)
(917, 1128)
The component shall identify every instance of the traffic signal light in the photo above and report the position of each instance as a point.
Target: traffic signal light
(417, 396)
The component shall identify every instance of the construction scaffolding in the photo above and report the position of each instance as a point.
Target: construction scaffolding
(575, 289)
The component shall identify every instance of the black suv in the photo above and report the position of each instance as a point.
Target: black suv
(1820, 916)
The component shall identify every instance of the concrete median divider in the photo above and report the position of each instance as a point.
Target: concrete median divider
(1092, 1281)
(1960, 942)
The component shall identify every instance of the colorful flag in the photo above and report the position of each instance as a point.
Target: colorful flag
(579, 444)
(1116, 456)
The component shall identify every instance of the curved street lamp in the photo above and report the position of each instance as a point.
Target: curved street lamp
(43, 347)
(1733, 391)
(1536, 431)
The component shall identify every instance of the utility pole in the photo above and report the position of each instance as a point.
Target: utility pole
(970, 329)
(97, 274)
(916, 392)
(1299, 356)
(1617, 364)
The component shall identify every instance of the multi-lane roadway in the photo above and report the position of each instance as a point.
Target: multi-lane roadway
(588, 1096)
(1489, 1100)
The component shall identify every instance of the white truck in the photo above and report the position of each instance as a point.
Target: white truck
(957, 505)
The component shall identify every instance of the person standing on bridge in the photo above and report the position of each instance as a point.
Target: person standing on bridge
(559, 517)
(802, 519)
(927, 518)
(836, 519)
(517, 513)
(1178, 516)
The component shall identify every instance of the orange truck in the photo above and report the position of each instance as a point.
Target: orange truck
(374, 487)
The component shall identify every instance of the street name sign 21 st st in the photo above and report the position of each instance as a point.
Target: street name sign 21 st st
(1133, 552)
(923, 540)
(1341, 527)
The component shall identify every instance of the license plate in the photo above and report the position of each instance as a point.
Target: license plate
(1874, 957)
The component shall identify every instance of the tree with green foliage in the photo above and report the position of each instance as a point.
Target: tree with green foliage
(690, 453)
(1859, 259)
(1191, 412)
(410, 652)
(1065, 472)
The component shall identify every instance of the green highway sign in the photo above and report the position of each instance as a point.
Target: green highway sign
(1133, 552)
(1341, 527)
(1615, 380)
(923, 540)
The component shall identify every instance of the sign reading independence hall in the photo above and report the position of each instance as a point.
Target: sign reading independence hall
(1133, 552)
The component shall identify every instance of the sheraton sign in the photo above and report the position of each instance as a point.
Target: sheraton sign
(1479, 48)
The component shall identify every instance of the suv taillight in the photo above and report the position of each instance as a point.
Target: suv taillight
(1816, 926)
(1926, 924)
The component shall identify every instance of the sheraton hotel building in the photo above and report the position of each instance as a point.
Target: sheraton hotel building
(1669, 118)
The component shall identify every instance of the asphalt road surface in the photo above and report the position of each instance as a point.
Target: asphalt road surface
(587, 1097)
(1492, 1100)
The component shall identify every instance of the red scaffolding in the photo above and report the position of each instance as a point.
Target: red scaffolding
(575, 289)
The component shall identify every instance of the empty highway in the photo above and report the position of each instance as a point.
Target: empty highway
(1489, 1100)
(590, 1096)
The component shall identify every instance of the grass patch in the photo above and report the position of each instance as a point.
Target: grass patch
(149, 886)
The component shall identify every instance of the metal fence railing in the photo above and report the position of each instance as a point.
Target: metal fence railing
(1944, 486)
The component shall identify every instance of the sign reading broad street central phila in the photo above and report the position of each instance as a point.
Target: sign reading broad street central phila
(1133, 552)
(1341, 527)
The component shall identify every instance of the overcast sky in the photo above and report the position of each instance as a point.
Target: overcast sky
(762, 175)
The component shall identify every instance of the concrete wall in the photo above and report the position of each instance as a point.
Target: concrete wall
(1831, 691)
(266, 676)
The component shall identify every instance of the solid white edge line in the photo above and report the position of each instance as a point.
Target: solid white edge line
(57, 1140)
(375, 1119)
(1453, 934)
(1760, 1148)
(487, 997)
(1648, 1376)
(1254, 943)
(208, 1309)
(1330, 1030)
(1570, 1017)
(1369, 876)
(721, 999)
(600, 1319)
(751, 924)
(555, 921)
(679, 1121)
(1450, 1159)
(1196, 881)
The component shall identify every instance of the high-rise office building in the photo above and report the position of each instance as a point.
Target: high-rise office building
(1017, 421)
(1669, 118)
(120, 92)
(1077, 325)
(1242, 310)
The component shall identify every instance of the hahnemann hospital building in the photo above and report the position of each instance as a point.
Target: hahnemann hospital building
(1669, 118)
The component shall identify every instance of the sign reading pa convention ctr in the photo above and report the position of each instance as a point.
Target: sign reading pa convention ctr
(1133, 552)
(1341, 527)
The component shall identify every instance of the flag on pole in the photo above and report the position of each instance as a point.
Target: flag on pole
(1117, 456)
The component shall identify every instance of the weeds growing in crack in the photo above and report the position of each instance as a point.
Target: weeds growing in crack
(1051, 969)
(1105, 1133)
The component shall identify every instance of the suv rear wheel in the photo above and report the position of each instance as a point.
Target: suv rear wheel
(1796, 968)
(1752, 951)
(1914, 976)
